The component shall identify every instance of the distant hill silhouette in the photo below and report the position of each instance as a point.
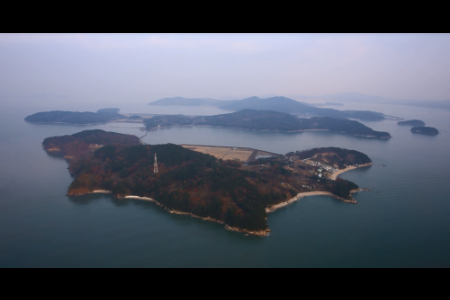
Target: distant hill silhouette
(280, 104)
(189, 101)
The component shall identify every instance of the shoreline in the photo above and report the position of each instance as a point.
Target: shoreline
(307, 194)
(261, 233)
(335, 175)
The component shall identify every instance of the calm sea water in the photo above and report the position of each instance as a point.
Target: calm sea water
(403, 222)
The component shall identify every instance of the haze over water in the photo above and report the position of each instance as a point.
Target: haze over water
(402, 222)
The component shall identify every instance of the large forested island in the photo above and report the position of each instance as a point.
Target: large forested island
(76, 118)
(196, 184)
(279, 104)
(268, 121)
(425, 130)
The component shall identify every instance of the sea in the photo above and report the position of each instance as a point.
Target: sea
(404, 221)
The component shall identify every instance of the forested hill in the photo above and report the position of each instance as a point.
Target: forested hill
(269, 120)
(76, 118)
(83, 142)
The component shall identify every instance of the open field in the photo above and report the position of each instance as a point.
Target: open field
(198, 149)
(218, 152)
(226, 153)
(242, 155)
(229, 153)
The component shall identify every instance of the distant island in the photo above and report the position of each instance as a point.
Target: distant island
(425, 130)
(279, 104)
(76, 118)
(268, 121)
(414, 123)
(199, 185)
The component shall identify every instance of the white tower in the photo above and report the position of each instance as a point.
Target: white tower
(156, 165)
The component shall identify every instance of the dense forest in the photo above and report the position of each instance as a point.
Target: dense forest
(414, 123)
(188, 181)
(77, 118)
(425, 130)
(81, 143)
(269, 120)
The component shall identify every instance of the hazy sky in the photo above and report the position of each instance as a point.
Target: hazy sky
(146, 67)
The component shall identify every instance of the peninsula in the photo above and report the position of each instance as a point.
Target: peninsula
(268, 121)
(238, 195)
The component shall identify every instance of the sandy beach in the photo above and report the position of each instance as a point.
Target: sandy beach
(296, 198)
(339, 172)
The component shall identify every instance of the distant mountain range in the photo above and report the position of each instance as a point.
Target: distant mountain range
(191, 101)
(279, 104)
(359, 97)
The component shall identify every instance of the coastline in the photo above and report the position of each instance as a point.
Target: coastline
(308, 194)
(335, 175)
(260, 233)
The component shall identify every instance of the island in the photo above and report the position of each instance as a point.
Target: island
(413, 123)
(268, 121)
(75, 118)
(425, 130)
(279, 104)
(238, 194)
